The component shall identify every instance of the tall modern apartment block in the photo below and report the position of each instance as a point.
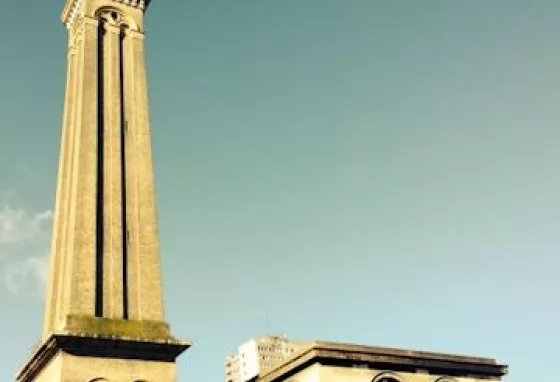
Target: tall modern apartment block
(104, 315)
(259, 355)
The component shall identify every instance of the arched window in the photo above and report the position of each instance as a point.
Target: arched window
(386, 377)
(114, 16)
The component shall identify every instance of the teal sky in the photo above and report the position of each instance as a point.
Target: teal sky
(379, 172)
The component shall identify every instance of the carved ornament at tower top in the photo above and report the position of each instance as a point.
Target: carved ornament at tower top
(76, 8)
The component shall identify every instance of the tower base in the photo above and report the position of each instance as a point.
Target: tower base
(89, 357)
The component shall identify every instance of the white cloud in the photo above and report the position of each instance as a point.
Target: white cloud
(24, 248)
(18, 227)
(26, 274)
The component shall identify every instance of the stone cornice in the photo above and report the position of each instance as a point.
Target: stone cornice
(164, 350)
(74, 8)
(394, 359)
(142, 4)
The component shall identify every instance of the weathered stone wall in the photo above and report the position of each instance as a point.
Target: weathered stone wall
(321, 373)
(69, 368)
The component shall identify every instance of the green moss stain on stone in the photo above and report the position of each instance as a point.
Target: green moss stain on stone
(114, 327)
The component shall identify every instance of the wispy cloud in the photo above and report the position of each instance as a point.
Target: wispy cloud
(18, 275)
(18, 226)
(24, 248)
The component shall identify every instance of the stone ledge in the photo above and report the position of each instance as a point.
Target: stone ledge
(348, 355)
(112, 327)
(103, 346)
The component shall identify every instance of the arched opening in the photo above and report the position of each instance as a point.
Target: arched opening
(387, 377)
(116, 17)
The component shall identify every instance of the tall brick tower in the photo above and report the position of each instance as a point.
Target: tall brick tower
(104, 316)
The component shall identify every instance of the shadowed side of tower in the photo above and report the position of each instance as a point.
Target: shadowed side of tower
(104, 316)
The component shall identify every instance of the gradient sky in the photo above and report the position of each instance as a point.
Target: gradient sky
(378, 172)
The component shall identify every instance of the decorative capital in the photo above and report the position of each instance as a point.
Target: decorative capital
(135, 34)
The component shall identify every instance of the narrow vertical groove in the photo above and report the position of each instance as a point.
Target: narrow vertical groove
(100, 185)
(123, 177)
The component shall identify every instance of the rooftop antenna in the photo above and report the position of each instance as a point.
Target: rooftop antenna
(267, 325)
